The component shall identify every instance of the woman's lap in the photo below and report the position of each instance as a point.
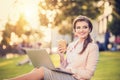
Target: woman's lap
(52, 75)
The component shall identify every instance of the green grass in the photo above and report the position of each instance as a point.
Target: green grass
(9, 68)
(108, 67)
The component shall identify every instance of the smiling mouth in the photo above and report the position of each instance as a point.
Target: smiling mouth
(81, 33)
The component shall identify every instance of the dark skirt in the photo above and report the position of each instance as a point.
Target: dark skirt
(53, 75)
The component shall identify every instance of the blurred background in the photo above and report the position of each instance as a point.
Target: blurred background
(41, 23)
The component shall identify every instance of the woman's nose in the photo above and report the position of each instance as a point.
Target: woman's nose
(80, 30)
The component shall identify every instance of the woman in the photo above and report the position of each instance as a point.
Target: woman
(81, 57)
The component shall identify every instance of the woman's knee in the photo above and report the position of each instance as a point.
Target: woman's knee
(38, 70)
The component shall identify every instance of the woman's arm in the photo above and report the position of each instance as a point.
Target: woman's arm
(62, 49)
(63, 61)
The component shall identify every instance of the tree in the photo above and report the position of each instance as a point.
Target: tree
(70, 9)
(18, 28)
(4, 45)
(114, 26)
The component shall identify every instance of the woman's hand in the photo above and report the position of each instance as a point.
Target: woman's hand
(61, 47)
(77, 77)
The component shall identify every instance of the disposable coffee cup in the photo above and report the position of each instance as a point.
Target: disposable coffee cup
(62, 43)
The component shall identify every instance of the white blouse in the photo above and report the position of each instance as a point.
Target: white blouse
(73, 51)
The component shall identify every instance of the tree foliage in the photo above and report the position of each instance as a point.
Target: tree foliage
(70, 9)
(66, 10)
(114, 26)
(18, 28)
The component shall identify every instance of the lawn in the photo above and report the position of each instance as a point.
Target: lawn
(108, 67)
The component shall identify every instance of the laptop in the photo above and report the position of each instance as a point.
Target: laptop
(40, 57)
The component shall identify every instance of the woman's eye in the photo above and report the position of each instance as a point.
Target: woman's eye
(85, 27)
(78, 27)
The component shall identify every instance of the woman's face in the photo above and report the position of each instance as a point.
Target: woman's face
(82, 29)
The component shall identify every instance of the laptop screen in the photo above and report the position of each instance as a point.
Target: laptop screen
(40, 57)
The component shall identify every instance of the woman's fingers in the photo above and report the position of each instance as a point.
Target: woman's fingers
(76, 76)
(61, 47)
(61, 50)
